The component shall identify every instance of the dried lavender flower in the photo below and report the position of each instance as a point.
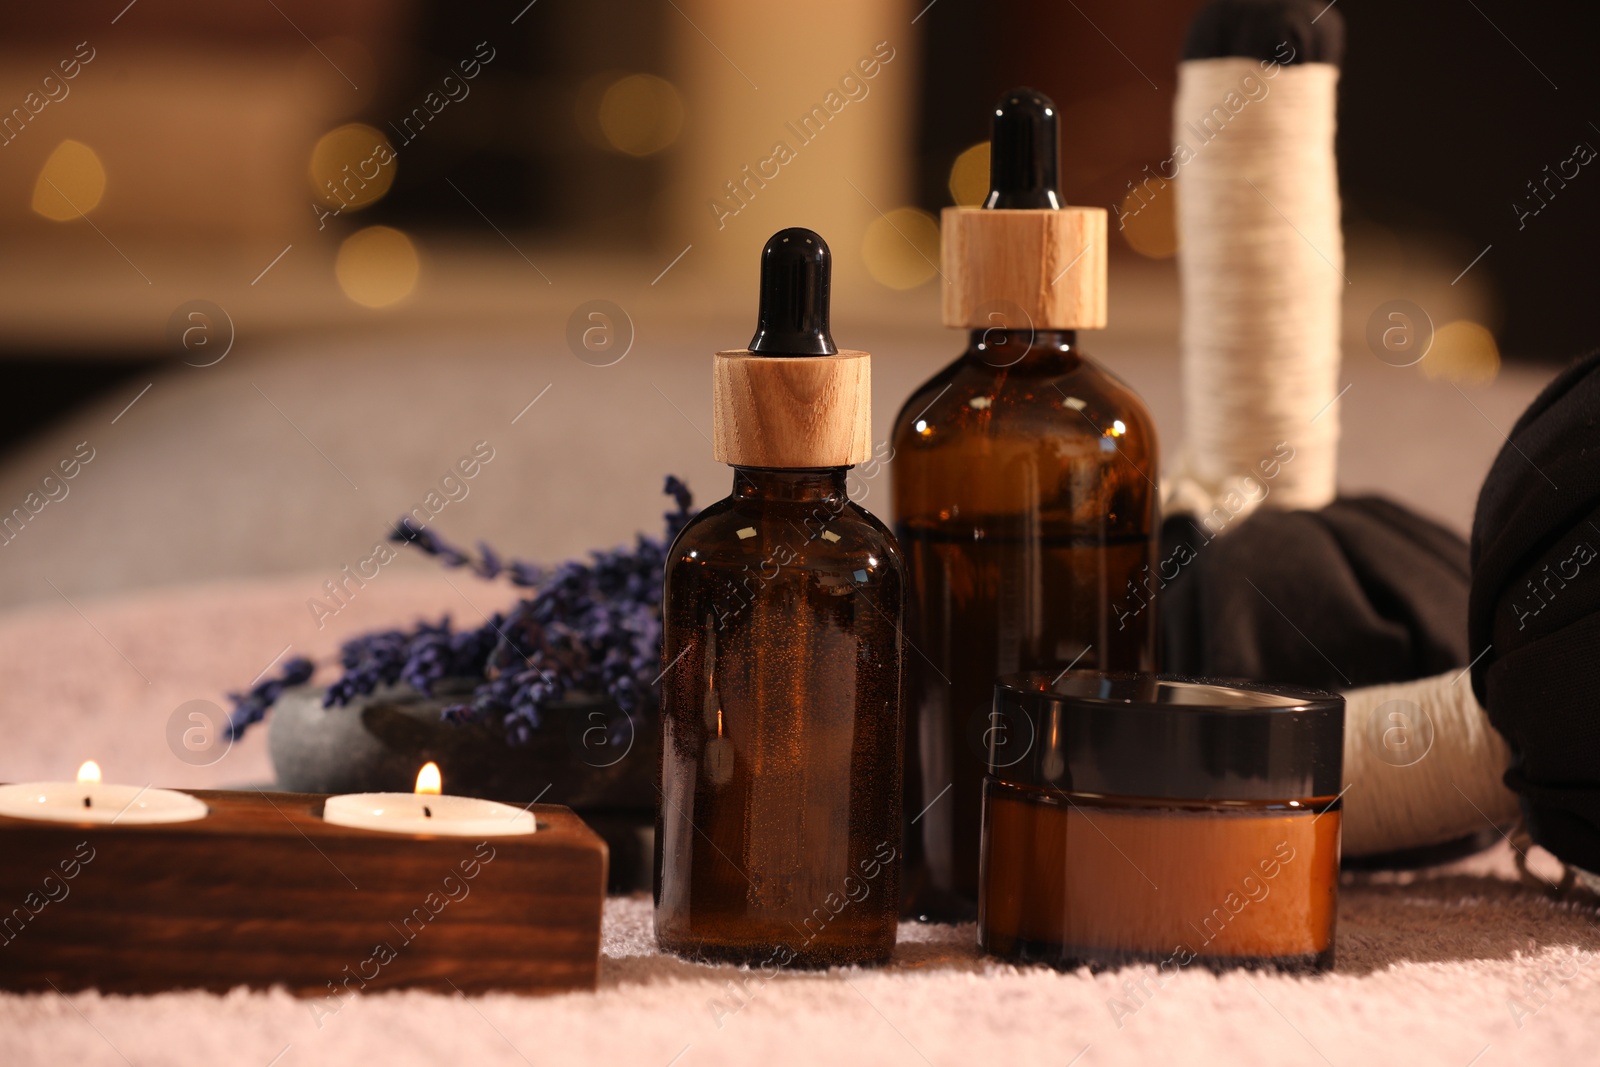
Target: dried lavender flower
(251, 707)
(590, 627)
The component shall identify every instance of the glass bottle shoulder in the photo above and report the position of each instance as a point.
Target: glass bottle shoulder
(832, 540)
(1052, 399)
(1051, 443)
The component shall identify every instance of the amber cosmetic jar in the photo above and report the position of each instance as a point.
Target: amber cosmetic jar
(1136, 818)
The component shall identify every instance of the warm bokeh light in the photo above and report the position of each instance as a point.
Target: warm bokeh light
(352, 166)
(901, 248)
(377, 266)
(89, 772)
(429, 780)
(1464, 352)
(640, 114)
(969, 176)
(1149, 219)
(70, 184)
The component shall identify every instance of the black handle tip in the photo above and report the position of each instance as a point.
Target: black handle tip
(1278, 31)
(796, 275)
(1024, 152)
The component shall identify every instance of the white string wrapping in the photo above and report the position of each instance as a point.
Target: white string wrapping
(1261, 264)
(1422, 766)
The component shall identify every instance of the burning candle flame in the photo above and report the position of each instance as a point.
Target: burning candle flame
(89, 772)
(429, 779)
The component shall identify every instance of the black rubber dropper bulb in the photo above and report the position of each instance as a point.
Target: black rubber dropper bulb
(1024, 164)
(796, 273)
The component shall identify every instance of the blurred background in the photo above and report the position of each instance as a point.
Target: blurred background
(276, 266)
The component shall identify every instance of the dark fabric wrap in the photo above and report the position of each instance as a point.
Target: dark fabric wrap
(1359, 593)
(1534, 613)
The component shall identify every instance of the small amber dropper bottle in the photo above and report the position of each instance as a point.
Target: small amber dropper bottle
(778, 821)
(1024, 492)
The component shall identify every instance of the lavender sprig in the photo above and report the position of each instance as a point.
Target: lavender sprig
(488, 564)
(251, 707)
(589, 628)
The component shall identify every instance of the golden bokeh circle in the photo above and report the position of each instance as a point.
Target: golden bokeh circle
(969, 176)
(1464, 352)
(377, 266)
(70, 184)
(1148, 219)
(352, 166)
(640, 114)
(901, 248)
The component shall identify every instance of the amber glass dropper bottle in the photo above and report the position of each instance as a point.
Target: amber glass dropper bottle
(778, 821)
(1024, 493)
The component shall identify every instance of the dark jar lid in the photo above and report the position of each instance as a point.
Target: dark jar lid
(1164, 736)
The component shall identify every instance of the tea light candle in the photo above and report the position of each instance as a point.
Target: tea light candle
(89, 800)
(428, 811)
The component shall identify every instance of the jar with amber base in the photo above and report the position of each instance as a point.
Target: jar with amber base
(1131, 818)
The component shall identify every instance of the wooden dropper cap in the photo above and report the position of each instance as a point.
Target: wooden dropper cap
(792, 399)
(1022, 256)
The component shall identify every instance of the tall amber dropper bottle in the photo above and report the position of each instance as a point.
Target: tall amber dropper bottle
(778, 822)
(1024, 493)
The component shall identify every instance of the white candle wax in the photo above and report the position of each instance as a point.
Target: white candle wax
(426, 813)
(104, 803)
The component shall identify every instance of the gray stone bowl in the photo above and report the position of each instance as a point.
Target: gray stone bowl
(586, 754)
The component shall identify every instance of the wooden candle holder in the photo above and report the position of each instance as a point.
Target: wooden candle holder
(263, 892)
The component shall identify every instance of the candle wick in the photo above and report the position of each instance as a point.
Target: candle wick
(88, 803)
(427, 812)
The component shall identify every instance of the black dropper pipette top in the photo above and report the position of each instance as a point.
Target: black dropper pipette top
(1024, 152)
(796, 272)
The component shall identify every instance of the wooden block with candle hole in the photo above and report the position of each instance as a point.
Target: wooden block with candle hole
(1049, 264)
(264, 892)
(791, 411)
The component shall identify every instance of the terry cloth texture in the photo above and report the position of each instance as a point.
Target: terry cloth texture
(1361, 592)
(1456, 967)
(1535, 610)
